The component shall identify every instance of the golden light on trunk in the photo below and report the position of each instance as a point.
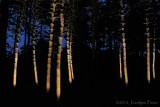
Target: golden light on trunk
(124, 43)
(73, 33)
(120, 61)
(50, 48)
(71, 65)
(154, 53)
(153, 61)
(33, 46)
(124, 59)
(16, 50)
(15, 69)
(34, 64)
(68, 56)
(58, 78)
(148, 50)
(49, 64)
(148, 58)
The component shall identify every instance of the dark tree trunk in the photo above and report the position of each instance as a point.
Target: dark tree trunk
(110, 42)
(41, 31)
(29, 32)
(25, 38)
(3, 35)
(94, 14)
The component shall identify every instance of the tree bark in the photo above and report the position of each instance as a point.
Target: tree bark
(33, 44)
(124, 43)
(148, 49)
(29, 32)
(25, 38)
(70, 48)
(72, 34)
(58, 79)
(41, 31)
(50, 47)
(68, 55)
(120, 60)
(154, 53)
(16, 49)
(93, 30)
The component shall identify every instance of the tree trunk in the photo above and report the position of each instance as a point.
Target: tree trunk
(110, 41)
(120, 60)
(25, 38)
(124, 59)
(124, 43)
(16, 49)
(41, 31)
(70, 33)
(70, 48)
(71, 37)
(148, 49)
(58, 79)
(33, 44)
(50, 47)
(93, 30)
(154, 52)
(68, 55)
(29, 32)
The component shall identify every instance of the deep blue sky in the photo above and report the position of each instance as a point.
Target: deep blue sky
(10, 40)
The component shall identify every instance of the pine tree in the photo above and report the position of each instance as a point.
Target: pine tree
(16, 47)
(50, 46)
(58, 78)
(123, 42)
(33, 42)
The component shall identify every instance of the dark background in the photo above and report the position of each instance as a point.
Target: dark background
(97, 81)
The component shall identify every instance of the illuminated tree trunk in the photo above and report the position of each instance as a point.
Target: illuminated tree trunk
(68, 56)
(148, 49)
(124, 43)
(70, 32)
(58, 79)
(124, 59)
(153, 66)
(16, 49)
(71, 65)
(50, 48)
(153, 61)
(120, 60)
(33, 44)
(71, 36)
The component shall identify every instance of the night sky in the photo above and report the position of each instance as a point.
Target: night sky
(10, 40)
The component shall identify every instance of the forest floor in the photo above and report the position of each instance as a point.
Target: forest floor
(97, 86)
